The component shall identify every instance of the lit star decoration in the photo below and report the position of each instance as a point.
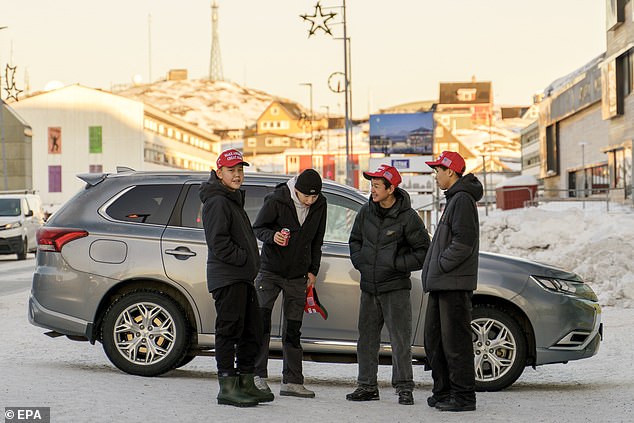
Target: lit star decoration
(11, 89)
(318, 20)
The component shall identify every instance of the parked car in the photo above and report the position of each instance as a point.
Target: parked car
(123, 263)
(20, 217)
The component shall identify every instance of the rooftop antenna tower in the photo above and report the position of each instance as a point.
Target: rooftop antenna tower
(215, 62)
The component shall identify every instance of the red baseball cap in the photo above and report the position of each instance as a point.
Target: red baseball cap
(450, 160)
(313, 305)
(387, 172)
(230, 158)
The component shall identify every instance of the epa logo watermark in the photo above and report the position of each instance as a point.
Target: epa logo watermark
(27, 414)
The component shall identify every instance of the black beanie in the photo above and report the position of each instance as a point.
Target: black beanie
(308, 182)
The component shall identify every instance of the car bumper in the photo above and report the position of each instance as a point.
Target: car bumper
(10, 244)
(58, 322)
(581, 338)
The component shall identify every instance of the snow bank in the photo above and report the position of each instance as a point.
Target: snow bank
(597, 245)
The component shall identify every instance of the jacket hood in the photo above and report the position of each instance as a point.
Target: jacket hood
(469, 184)
(213, 187)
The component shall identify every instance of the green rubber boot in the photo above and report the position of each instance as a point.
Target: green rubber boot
(248, 387)
(231, 394)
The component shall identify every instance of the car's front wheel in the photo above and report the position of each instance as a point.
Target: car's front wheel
(23, 249)
(145, 333)
(499, 346)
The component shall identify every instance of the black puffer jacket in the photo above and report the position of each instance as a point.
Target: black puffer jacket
(233, 254)
(385, 250)
(303, 252)
(452, 260)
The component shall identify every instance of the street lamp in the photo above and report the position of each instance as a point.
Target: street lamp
(312, 139)
(327, 128)
(582, 144)
(4, 152)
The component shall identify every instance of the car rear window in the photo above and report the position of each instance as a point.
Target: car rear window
(145, 204)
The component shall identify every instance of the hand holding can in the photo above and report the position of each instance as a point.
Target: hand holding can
(287, 234)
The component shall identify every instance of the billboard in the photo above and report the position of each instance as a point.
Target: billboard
(402, 133)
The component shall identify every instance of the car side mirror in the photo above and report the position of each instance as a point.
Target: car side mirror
(29, 213)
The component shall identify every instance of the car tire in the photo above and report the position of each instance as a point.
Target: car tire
(23, 250)
(145, 333)
(499, 346)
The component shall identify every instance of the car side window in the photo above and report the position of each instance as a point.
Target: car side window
(341, 214)
(191, 214)
(145, 204)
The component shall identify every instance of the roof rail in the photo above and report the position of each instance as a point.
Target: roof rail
(122, 169)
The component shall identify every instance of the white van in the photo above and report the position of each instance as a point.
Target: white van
(20, 217)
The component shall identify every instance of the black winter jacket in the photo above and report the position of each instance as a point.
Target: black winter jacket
(303, 252)
(452, 260)
(385, 250)
(232, 255)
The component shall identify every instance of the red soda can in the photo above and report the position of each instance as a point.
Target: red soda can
(287, 234)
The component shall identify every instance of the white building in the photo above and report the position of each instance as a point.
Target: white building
(79, 130)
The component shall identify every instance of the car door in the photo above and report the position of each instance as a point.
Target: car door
(184, 251)
(338, 281)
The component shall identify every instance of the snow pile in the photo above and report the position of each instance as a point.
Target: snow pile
(597, 245)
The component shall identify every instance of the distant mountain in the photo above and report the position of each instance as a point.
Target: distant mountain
(206, 104)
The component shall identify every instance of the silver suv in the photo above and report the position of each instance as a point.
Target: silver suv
(123, 263)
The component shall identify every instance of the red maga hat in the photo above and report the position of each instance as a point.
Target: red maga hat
(450, 160)
(387, 172)
(230, 158)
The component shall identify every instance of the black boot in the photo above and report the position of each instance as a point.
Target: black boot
(248, 387)
(231, 394)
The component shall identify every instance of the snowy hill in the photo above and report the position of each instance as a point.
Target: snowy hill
(206, 104)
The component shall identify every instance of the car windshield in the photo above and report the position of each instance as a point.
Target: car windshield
(9, 206)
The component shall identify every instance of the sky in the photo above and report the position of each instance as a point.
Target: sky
(400, 50)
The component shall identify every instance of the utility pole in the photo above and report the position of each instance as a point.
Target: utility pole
(312, 138)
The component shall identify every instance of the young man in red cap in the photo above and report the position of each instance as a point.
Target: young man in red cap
(450, 276)
(289, 265)
(387, 242)
(232, 265)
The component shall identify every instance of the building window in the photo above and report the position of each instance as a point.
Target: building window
(252, 142)
(275, 111)
(95, 139)
(54, 179)
(54, 140)
(552, 150)
(466, 94)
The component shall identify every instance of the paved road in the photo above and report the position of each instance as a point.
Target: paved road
(16, 275)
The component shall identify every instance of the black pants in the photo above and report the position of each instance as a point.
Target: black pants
(449, 344)
(238, 328)
(268, 288)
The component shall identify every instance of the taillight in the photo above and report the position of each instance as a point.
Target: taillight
(53, 239)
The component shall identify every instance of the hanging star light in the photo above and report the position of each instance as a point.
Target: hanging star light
(318, 20)
(11, 89)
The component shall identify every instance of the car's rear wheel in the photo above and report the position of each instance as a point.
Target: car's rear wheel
(145, 333)
(499, 346)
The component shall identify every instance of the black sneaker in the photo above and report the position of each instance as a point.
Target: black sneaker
(435, 399)
(363, 394)
(405, 398)
(453, 405)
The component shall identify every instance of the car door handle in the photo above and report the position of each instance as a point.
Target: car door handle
(181, 253)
